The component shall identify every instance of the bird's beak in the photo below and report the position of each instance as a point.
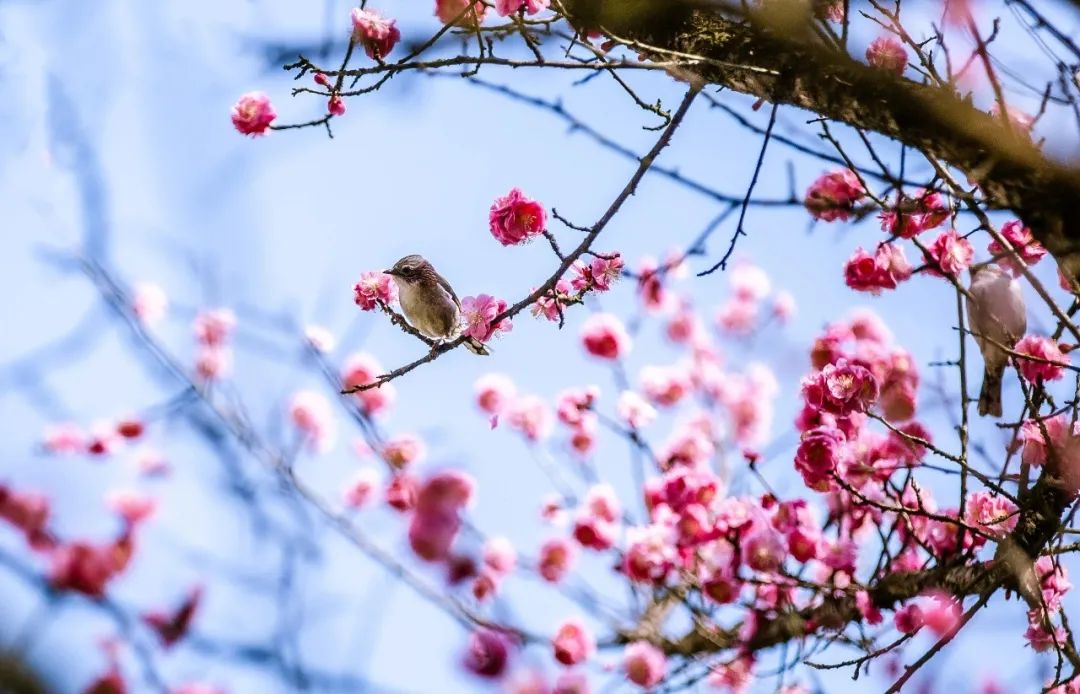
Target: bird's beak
(390, 272)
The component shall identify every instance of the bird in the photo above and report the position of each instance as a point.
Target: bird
(429, 302)
(997, 317)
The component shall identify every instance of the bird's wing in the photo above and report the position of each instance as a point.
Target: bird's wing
(449, 290)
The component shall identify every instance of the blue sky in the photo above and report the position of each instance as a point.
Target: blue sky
(117, 134)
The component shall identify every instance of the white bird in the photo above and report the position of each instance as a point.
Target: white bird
(996, 314)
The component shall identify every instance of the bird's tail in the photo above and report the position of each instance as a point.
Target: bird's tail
(990, 397)
(477, 347)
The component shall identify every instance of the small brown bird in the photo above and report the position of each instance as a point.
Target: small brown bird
(429, 302)
(997, 315)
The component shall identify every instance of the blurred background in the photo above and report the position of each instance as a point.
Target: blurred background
(117, 146)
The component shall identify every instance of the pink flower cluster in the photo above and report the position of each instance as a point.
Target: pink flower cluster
(573, 407)
(741, 314)
(252, 114)
(313, 418)
(886, 53)
(374, 287)
(912, 216)
(505, 8)
(515, 218)
(362, 369)
(1047, 363)
(375, 33)
(213, 330)
(873, 273)
(833, 196)
(471, 12)
(949, 255)
(435, 520)
(603, 335)
(1022, 241)
(478, 313)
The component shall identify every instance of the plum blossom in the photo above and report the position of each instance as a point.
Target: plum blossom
(1051, 362)
(505, 8)
(319, 339)
(313, 417)
(478, 312)
(532, 417)
(487, 654)
(362, 369)
(361, 487)
(883, 270)
(132, 506)
(372, 288)
(573, 642)
(555, 559)
(499, 555)
(214, 327)
(841, 388)
(950, 254)
(599, 274)
(994, 515)
(886, 53)
(821, 453)
(604, 336)
(1022, 241)
(750, 282)
(634, 410)
(149, 303)
(783, 306)
(375, 33)
(252, 114)
(644, 664)
(403, 450)
(471, 12)
(494, 393)
(833, 195)
(515, 218)
(913, 215)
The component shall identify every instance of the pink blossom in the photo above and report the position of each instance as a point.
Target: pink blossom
(362, 369)
(913, 215)
(361, 487)
(335, 106)
(650, 550)
(133, 507)
(572, 682)
(749, 282)
(1022, 241)
(28, 512)
(319, 339)
(401, 492)
(505, 8)
(603, 271)
(867, 609)
(515, 218)
(734, 676)
(478, 312)
(252, 114)
(376, 34)
(909, 618)
(149, 303)
(550, 304)
(1044, 349)
(556, 557)
(645, 664)
(994, 515)
(884, 270)
(573, 405)
(447, 10)
(499, 555)
(372, 288)
(494, 393)
(214, 327)
(654, 295)
(1040, 639)
(1053, 579)
(64, 438)
(634, 410)
(886, 53)
(841, 388)
(820, 454)
(594, 533)
(665, 385)
(738, 316)
(833, 195)
(602, 502)
(401, 451)
(313, 417)
(573, 642)
(151, 463)
(950, 254)
(783, 306)
(941, 614)
(532, 417)
(213, 363)
(764, 550)
(604, 336)
(86, 568)
(487, 654)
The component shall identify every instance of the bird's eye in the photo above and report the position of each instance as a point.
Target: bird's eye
(406, 271)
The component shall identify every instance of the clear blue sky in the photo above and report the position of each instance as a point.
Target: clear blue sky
(116, 129)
